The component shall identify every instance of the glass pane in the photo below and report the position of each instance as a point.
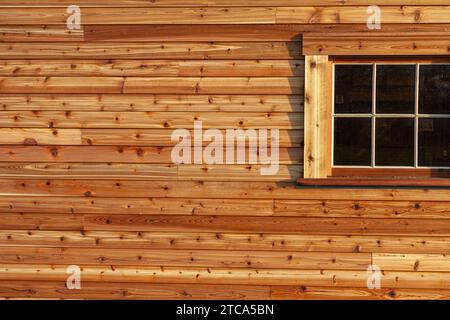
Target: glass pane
(434, 90)
(396, 89)
(434, 142)
(352, 143)
(394, 142)
(353, 89)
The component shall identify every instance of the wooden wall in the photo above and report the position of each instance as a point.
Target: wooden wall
(86, 176)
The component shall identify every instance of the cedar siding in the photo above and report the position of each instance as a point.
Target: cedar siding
(86, 176)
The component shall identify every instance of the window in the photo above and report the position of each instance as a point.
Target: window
(391, 116)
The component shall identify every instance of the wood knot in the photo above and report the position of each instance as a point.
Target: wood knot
(391, 293)
(54, 151)
(30, 142)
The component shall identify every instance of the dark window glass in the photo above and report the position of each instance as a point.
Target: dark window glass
(434, 90)
(394, 142)
(396, 89)
(352, 143)
(353, 89)
(434, 142)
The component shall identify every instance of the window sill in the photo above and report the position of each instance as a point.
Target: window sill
(409, 183)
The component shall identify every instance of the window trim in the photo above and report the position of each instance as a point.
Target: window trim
(376, 182)
(318, 149)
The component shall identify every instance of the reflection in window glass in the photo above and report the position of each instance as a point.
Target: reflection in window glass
(353, 89)
(396, 89)
(352, 143)
(394, 142)
(434, 90)
(434, 142)
(411, 118)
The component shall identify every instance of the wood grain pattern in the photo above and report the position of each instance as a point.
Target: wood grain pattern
(152, 68)
(158, 50)
(369, 209)
(317, 117)
(21, 33)
(116, 154)
(127, 291)
(39, 136)
(181, 85)
(377, 46)
(412, 262)
(200, 258)
(159, 137)
(142, 172)
(227, 15)
(148, 120)
(111, 15)
(321, 293)
(167, 206)
(289, 225)
(208, 189)
(213, 3)
(221, 240)
(86, 170)
(29, 221)
(255, 33)
(358, 14)
(192, 32)
(151, 102)
(238, 276)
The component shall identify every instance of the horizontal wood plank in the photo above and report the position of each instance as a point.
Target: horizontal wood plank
(226, 15)
(163, 258)
(266, 224)
(378, 46)
(193, 206)
(207, 189)
(252, 33)
(167, 32)
(219, 240)
(326, 293)
(151, 102)
(152, 68)
(247, 276)
(163, 137)
(40, 136)
(149, 120)
(412, 262)
(76, 205)
(164, 85)
(30, 33)
(130, 291)
(367, 209)
(156, 50)
(29, 221)
(212, 3)
(111, 15)
(131, 171)
(116, 154)
(117, 137)
(358, 14)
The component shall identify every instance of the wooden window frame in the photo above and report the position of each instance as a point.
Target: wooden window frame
(318, 149)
